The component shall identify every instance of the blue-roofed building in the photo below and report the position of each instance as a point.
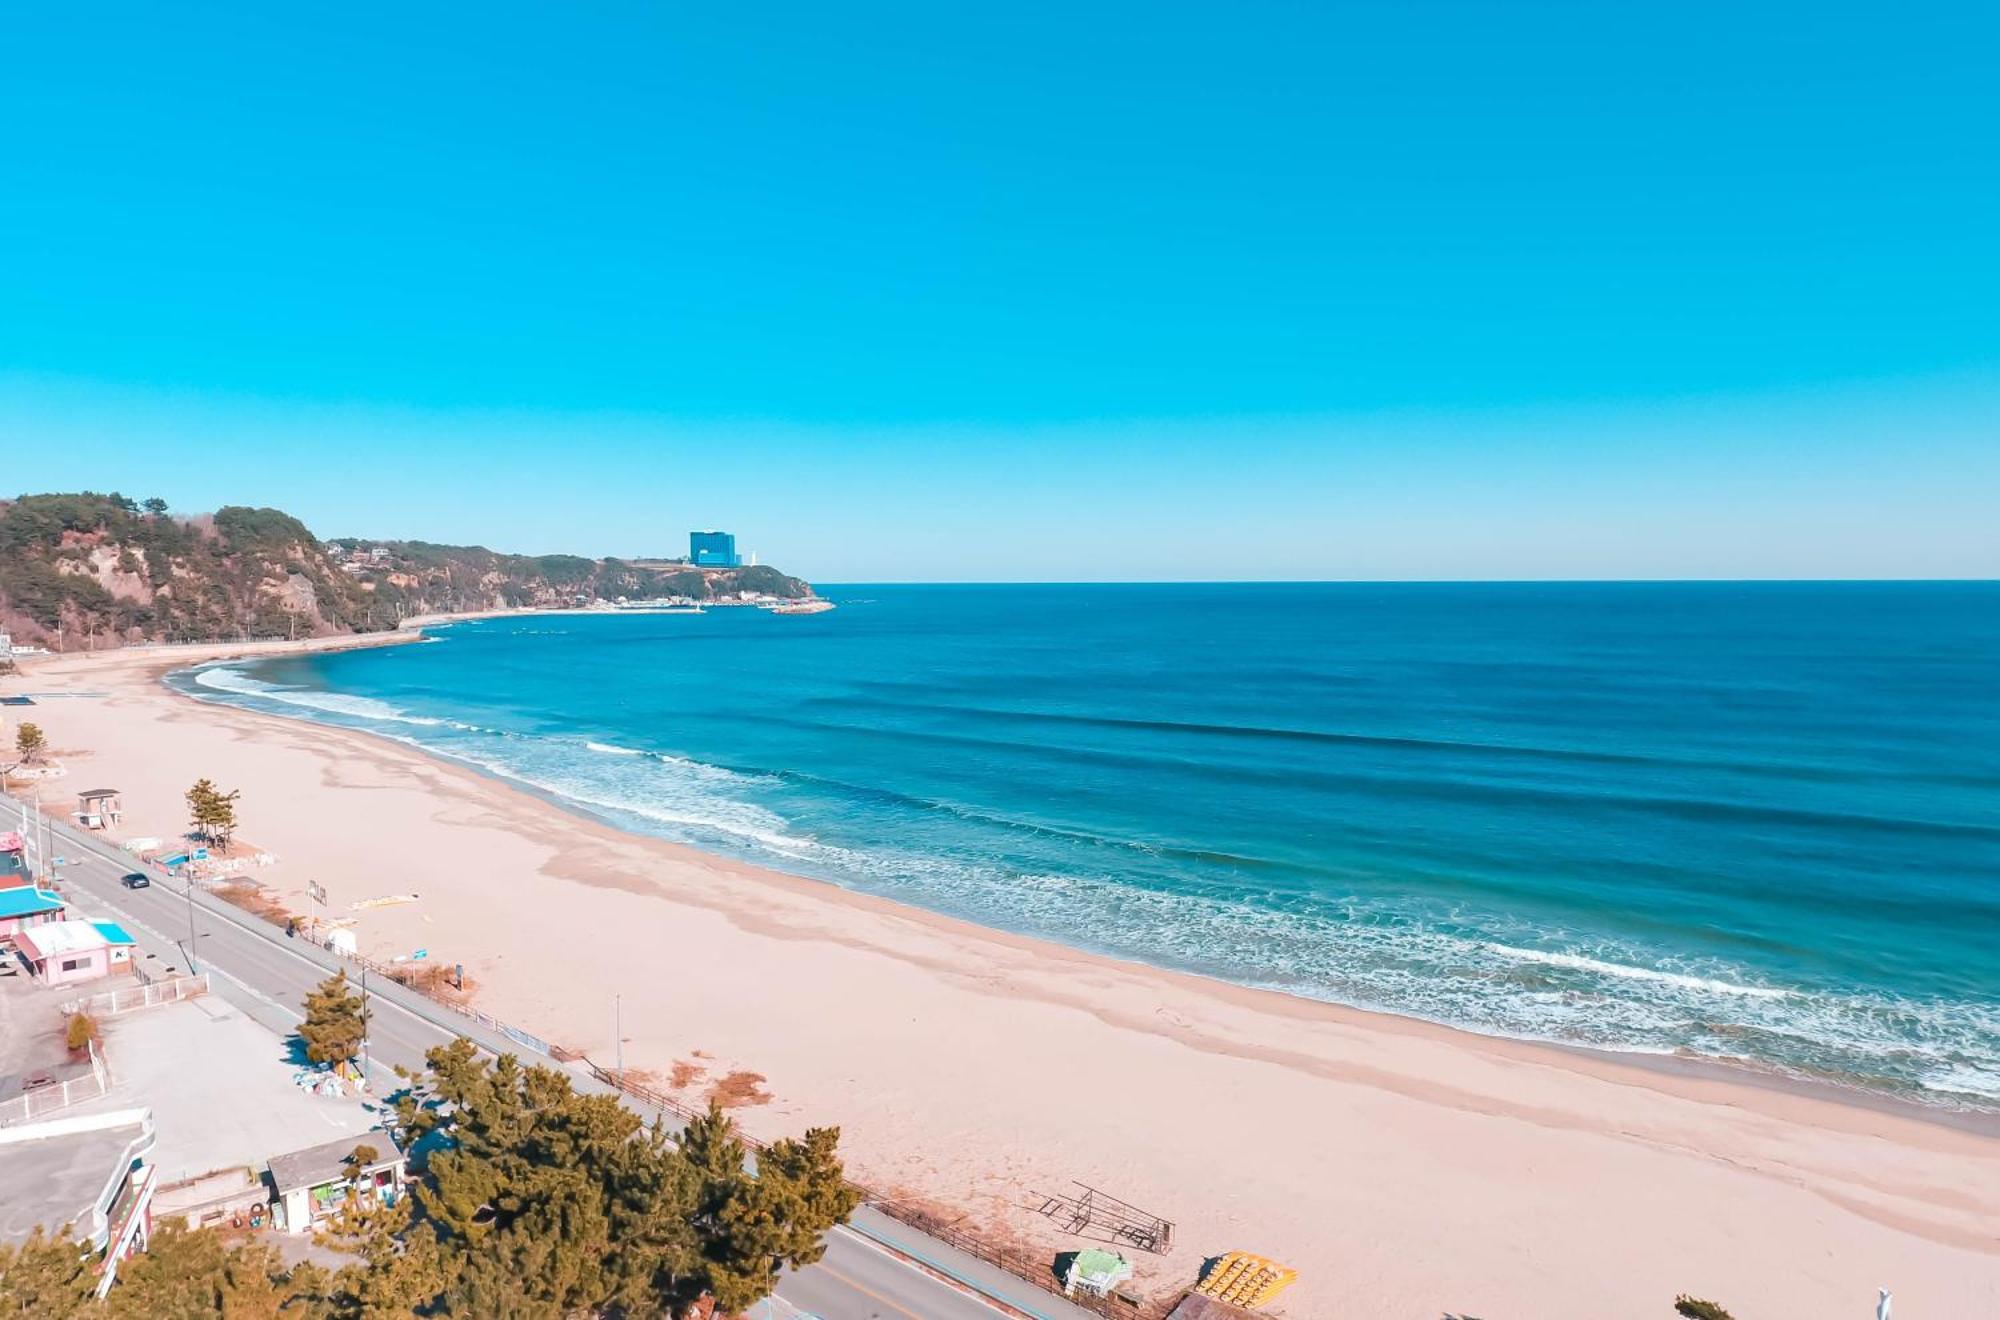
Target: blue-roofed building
(62, 952)
(712, 550)
(24, 906)
(113, 933)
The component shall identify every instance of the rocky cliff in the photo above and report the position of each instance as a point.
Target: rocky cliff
(101, 570)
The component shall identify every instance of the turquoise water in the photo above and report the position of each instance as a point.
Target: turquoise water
(1744, 821)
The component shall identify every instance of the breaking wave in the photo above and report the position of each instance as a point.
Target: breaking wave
(1477, 968)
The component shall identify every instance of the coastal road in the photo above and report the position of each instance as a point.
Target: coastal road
(874, 1269)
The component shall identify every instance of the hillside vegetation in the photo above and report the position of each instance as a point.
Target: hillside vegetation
(103, 570)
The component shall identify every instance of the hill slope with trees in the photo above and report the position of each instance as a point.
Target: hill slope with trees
(90, 570)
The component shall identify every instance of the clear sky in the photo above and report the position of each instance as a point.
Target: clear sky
(1026, 291)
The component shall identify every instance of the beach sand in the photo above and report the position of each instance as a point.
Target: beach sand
(1406, 1170)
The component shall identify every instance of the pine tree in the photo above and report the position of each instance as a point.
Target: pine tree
(47, 1277)
(751, 1227)
(194, 1273)
(212, 812)
(335, 1022)
(548, 1202)
(402, 1267)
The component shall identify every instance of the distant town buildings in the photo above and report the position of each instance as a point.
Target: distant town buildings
(712, 550)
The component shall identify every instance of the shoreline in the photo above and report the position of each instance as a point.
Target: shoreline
(1247, 1032)
(1983, 1121)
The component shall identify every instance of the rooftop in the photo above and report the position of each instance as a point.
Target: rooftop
(328, 1163)
(26, 901)
(59, 1172)
(62, 937)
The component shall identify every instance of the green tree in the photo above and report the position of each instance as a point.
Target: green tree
(212, 812)
(553, 1202)
(194, 1275)
(155, 506)
(47, 1277)
(752, 1227)
(401, 1270)
(1696, 1309)
(335, 1022)
(31, 743)
(358, 1160)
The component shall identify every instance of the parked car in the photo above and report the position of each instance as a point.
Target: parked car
(138, 880)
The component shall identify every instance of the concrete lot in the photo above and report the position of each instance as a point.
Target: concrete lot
(31, 1032)
(220, 1088)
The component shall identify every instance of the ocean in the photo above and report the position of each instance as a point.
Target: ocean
(1757, 822)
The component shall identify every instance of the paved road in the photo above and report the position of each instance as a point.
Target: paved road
(267, 975)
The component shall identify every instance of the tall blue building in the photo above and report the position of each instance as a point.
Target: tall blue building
(712, 550)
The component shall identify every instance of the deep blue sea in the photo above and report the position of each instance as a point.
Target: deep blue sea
(1747, 821)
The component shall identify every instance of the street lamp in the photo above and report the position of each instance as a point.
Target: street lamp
(187, 888)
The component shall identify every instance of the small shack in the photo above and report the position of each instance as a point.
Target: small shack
(99, 808)
(311, 1186)
(1094, 1272)
(65, 952)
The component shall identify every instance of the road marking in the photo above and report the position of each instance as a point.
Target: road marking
(911, 1262)
(256, 934)
(864, 1288)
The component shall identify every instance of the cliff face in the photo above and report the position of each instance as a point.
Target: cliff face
(419, 577)
(95, 570)
(89, 569)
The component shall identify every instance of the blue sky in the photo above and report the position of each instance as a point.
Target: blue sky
(1276, 291)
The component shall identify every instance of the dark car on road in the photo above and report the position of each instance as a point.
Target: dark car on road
(138, 880)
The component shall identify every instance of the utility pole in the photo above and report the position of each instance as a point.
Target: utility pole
(364, 1025)
(187, 888)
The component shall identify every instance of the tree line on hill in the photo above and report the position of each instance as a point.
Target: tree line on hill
(97, 570)
(533, 1200)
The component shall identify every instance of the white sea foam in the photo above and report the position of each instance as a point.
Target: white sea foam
(1468, 968)
(222, 678)
(1580, 963)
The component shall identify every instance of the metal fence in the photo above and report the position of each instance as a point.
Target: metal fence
(149, 994)
(1034, 1269)
(31, 1105)
(397, 974)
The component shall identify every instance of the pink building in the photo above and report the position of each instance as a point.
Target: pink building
(69, 951)
(23, 906)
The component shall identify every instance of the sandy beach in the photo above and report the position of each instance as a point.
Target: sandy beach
(1406, 1170)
